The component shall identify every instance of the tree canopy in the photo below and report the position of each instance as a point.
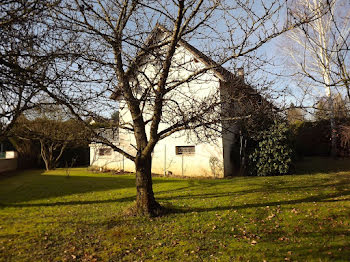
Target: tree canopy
(89, 51)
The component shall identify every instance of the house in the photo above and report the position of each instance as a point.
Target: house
(183, 153)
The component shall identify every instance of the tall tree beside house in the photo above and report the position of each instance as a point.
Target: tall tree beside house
(319, 52)
(118, 41)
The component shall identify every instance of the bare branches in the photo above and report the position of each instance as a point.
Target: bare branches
(323, 43)
(24, 57)
(119, 46)
(142, 52)
(320, 54)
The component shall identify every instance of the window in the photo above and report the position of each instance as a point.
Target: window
(105, 151)
(185, 150)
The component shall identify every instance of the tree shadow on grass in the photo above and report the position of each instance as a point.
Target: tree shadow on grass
(273, 187)
(68, 203)
(50, 186)
(38, 185)
(332, 253)
(35, 186)
(314, 165)
(312, 199)
(321, 245)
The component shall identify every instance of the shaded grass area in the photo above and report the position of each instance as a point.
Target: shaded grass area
(49, 216)
(314, 165)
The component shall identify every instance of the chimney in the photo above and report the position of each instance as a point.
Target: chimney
(240, 72)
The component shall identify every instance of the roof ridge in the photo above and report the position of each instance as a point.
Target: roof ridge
(218, 69)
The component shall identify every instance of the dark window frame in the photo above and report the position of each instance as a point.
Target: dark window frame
(105, 151)
(185, 150)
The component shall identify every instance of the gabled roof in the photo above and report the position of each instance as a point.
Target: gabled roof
(218, 70)
(222, 73)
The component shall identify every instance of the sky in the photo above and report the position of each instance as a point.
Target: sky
(220, 36)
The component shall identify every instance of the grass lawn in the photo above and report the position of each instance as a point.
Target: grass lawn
(48, 216)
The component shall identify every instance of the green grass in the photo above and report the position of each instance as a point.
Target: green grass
(47, 216)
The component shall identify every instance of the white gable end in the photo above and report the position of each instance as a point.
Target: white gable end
(180, 154)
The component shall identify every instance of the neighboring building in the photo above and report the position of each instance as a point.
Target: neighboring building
(178, 154)
(8, 157)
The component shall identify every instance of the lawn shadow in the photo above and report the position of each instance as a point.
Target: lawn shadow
(311, 199)
(272, 187)
(314, 165)
(18, 190)
(340, 192)
(333, 253)
(36, 185)
(69, 203)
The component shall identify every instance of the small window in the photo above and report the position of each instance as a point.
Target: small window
(185, 150)
(105, 151)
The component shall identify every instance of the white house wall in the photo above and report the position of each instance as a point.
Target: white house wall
(206, 161)
(208, 157)
(165, 160)
(115, 161)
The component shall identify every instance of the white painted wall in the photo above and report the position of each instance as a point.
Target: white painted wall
(165, 161)
(11, 154)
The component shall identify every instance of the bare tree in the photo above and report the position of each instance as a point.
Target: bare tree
(33, 63)
(117, 43)
(320, 52)
(23, 58)
(53, 129)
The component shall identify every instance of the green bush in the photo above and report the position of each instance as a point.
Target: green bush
(273, 153)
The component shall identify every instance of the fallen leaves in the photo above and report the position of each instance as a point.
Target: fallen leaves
(294, 211)
(270, 216)
(283, 239)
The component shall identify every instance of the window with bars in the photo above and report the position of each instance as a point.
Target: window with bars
(185, 150)
(105, 151)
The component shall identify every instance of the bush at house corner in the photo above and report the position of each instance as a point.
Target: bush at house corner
(273, 154)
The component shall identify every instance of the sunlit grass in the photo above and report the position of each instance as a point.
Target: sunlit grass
(50, 216)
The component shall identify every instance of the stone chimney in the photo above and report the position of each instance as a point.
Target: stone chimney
(240, 72)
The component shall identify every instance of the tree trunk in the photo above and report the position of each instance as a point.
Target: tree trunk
(43, 155)
(333, 128)
(145, 201)
(47, 155)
